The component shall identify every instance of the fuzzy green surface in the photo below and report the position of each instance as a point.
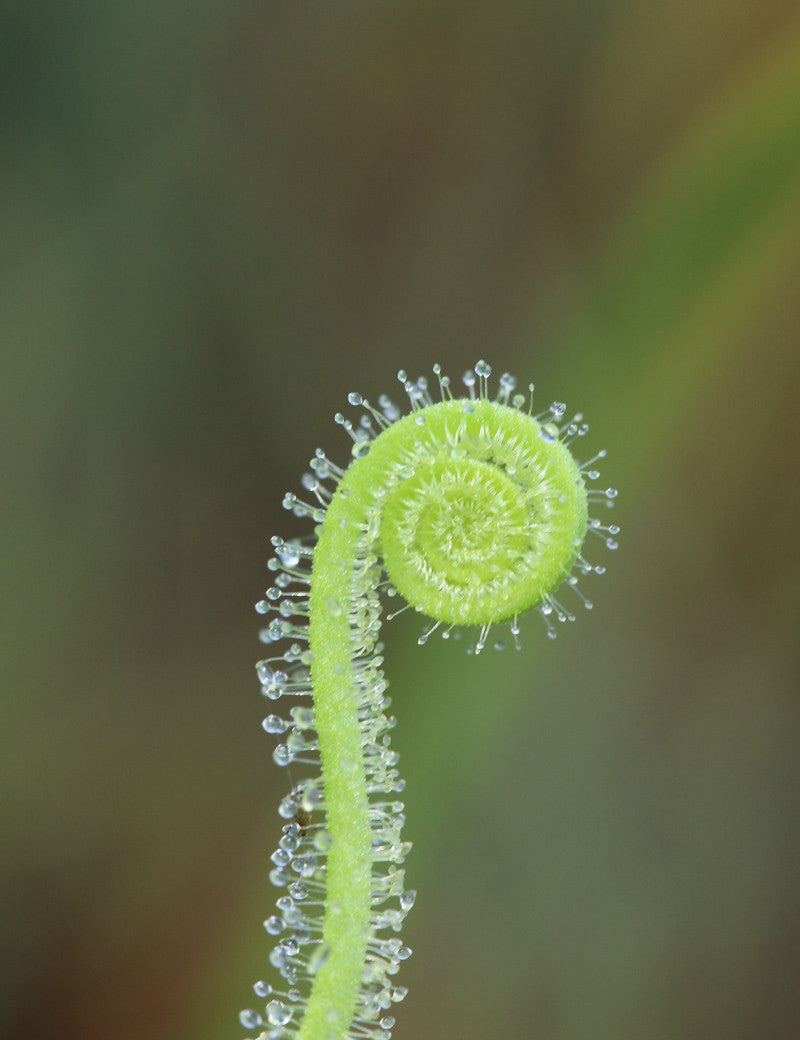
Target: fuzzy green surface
(349, 863)
(489, 524)
(478, 518)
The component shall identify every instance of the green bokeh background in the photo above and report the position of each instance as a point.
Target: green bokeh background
(218, 220)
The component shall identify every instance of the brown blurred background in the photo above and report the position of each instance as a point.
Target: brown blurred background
(217, 221)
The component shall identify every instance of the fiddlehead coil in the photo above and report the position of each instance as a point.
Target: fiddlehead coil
(477, 512)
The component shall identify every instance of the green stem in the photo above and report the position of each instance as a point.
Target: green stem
(478, 513)
(349, 864)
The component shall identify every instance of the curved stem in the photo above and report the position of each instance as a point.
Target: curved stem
(477, 511)
(334, 590)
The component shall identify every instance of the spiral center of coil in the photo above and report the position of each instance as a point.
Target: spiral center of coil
(470, 526)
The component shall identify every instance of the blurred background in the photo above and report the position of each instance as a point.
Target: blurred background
(215, 223)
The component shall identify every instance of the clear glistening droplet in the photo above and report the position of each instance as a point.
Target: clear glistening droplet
(250, 1019)
(278, 1014)
(322, 841)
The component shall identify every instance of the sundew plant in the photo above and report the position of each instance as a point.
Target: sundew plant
(471, 510)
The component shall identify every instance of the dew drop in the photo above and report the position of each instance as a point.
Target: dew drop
(310, 797)
(296, 743)
(273, 925)
(267, 677)
(483, 370)
(288, 555)
(358, 451)
(274, 631)
(282, 756)
(303, 717)
(281, 858)
(322, 841)
(407, 900)
(250, 1019)
(278, 877)
(355, 398)
(262, 989)
(389, 408)
(549, 433)
(278, 1014)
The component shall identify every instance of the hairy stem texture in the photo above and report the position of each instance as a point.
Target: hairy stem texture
(477, 512)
